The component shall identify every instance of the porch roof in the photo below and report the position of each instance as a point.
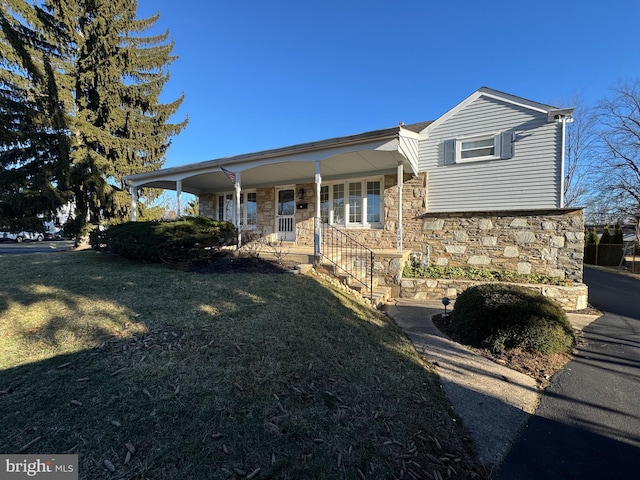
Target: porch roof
(368, 153)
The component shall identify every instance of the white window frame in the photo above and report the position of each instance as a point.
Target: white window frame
(243, 220)
(365, 201)
(495, 136)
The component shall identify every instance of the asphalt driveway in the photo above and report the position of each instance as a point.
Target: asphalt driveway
(9, 248)
(587, 425)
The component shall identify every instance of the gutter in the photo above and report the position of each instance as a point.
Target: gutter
(385, 134)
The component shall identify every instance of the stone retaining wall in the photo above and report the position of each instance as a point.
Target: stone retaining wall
(388, 272)
(571, 297)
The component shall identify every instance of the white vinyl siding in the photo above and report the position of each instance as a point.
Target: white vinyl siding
(529, 179)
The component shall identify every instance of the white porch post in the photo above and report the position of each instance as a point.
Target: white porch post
(237, 192)
(317, 226)
(400, 182)
(134, 202)
(178, 197)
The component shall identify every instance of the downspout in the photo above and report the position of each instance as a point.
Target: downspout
(237, 208)
(400, 182)
(563, 121)
(318, 219)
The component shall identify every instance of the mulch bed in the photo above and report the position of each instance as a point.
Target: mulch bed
(233, 264)
(539, 366)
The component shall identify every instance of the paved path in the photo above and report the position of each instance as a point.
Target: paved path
(493, 401)
(587, 425)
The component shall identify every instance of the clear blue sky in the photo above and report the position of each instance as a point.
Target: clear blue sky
(262, 74)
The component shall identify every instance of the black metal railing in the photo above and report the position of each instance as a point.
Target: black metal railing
(347, 255)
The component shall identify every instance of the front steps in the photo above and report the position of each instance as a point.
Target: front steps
(381, 293)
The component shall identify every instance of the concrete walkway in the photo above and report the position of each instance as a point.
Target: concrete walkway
(493, 401)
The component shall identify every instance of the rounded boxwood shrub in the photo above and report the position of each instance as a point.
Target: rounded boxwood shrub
(183, 241)
(502, 317)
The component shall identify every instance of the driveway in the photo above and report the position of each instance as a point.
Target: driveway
(587, 425)
(8, 248)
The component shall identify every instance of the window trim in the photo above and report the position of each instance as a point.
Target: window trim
(503, 144)
(496, 147)
(364, 202)
(243, 220)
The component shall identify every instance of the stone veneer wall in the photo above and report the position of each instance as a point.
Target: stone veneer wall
(388, 272)
(570, 297)
(547, 242)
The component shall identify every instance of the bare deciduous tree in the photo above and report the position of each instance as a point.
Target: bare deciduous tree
(581, 147)
(619, 117)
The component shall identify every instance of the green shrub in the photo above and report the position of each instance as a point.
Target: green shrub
(606, 235)
(502, 317)
(182, 241)
(471, 273)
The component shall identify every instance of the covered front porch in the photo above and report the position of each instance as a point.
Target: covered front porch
(287, 193)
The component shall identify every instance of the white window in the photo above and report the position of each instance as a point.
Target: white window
(351, 204)
(248, 208)
(477, 148)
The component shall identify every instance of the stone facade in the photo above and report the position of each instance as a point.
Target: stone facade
(571, 297)
(547, 242)
(543, 242)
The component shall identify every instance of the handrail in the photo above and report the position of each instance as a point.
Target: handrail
(347, 254)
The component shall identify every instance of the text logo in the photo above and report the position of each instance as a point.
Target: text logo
(50, 467)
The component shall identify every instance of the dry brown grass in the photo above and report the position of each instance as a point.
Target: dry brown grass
(172, 375)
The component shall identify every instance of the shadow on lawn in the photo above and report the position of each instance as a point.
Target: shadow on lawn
(228, 373)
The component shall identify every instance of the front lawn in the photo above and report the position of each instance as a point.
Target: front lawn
(148, 372)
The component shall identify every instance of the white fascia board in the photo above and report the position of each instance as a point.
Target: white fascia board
(489, 93)
(312, 151)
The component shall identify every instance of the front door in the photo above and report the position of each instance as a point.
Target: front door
(285, 215)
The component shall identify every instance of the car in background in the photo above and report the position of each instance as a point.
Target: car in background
(22, 236)
(52, 236)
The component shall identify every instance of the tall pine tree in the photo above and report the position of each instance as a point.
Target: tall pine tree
(34, 143)
(119, 125)
(79, 99)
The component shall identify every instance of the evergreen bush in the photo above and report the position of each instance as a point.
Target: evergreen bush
(502, 317)
(606, 235)
(591, 245)
(182, 241)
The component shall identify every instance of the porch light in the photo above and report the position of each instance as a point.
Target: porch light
(445, 302)
(301, 194)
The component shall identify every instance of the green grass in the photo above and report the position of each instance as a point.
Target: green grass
(213, 376)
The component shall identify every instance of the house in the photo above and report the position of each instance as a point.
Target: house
(482, 185)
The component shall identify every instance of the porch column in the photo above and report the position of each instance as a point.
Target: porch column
(133, 191)
(318, 219)
(178, 197)
(400, 182)
(236, 187)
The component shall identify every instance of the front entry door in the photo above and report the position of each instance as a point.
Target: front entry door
(285, 215)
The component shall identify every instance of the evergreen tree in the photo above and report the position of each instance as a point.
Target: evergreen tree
(119, 125)
(591, 236)
(617, 235)
(34, 146)
(605, 239)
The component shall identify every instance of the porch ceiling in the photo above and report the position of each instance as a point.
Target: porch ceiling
(371, 153)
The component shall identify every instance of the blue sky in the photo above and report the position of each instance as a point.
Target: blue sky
(264, 74)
